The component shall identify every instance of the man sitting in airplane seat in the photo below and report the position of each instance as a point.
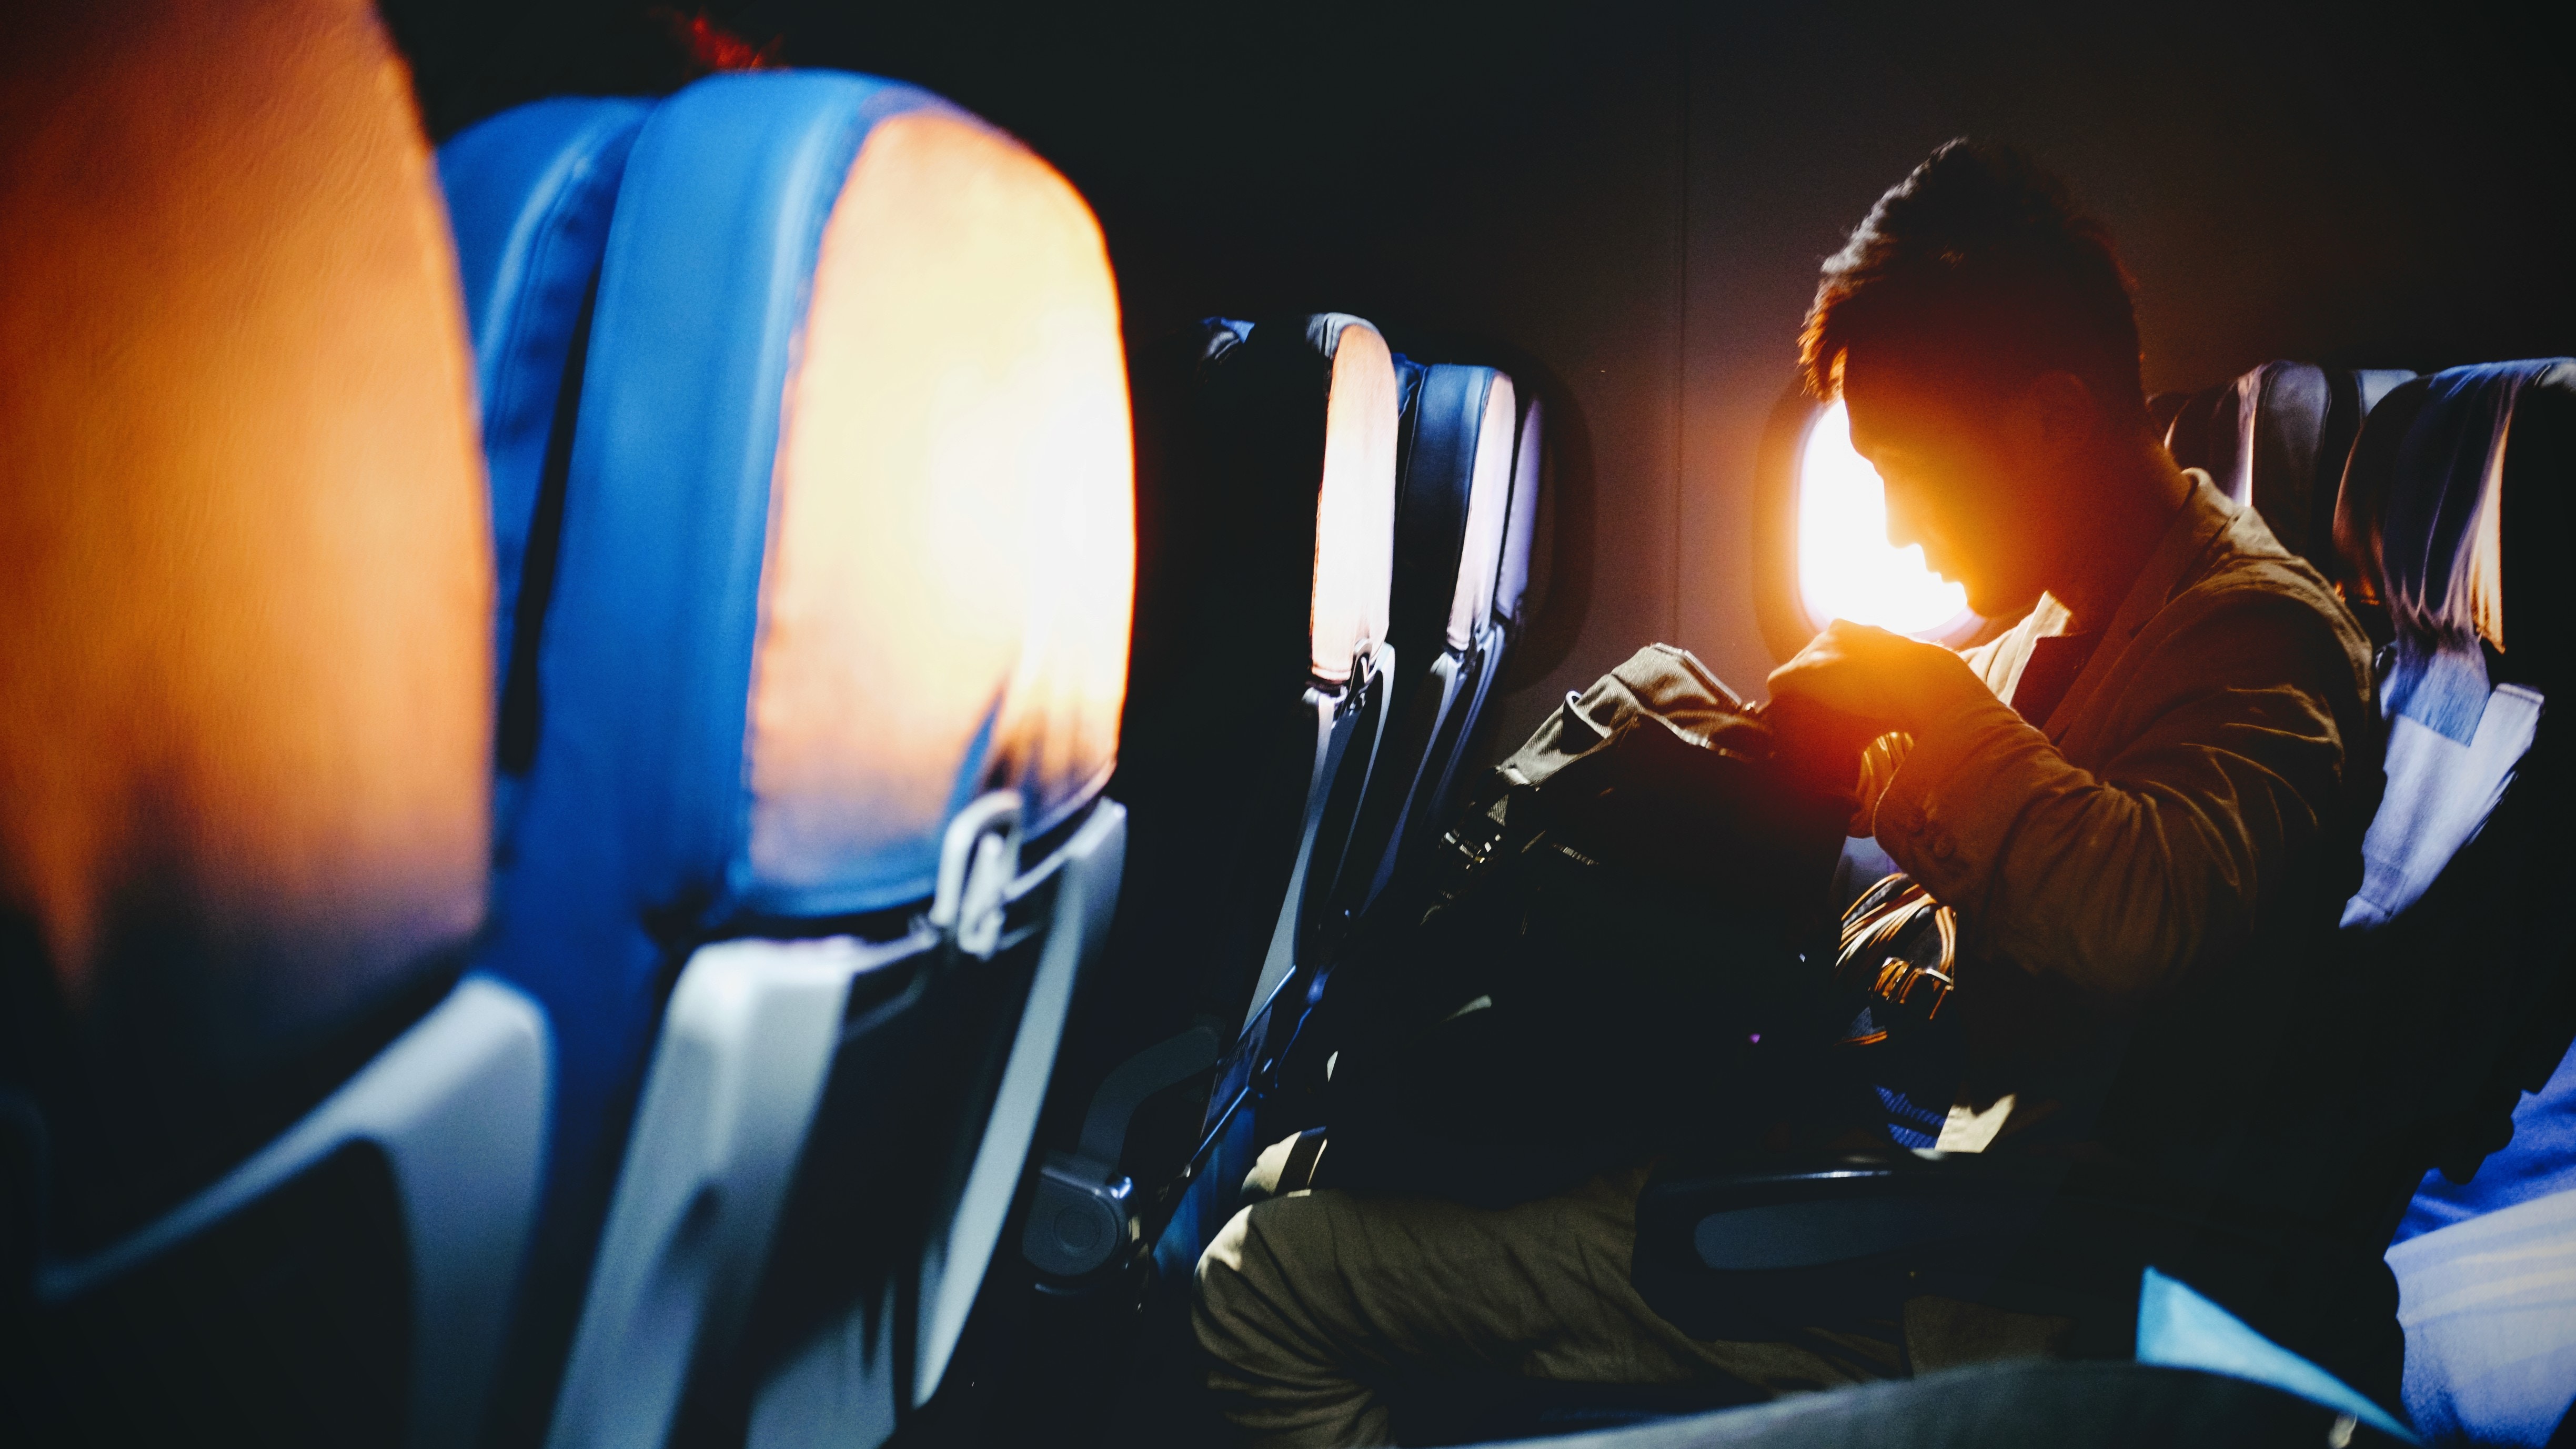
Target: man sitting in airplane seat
(2144, 801)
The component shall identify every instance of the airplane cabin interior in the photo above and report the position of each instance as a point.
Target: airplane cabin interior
(716, 722)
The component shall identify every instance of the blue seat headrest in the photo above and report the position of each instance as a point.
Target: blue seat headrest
(529, 194)
(2438, 469)
(849, 518)
(847, 542)
(2442, 465)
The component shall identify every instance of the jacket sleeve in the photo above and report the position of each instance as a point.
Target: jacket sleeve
(1879, 762)
(2131, 880)
(1877, 770)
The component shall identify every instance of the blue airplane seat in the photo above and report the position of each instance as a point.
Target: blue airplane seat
(1266, 522)
(2483, 1254)
(268, 1161)
(529, 193)
(1453, 497)
(812, 844)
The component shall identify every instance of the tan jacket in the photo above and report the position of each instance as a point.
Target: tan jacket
(2219, 739)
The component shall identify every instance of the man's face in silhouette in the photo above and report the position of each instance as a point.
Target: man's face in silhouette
(1970, 474)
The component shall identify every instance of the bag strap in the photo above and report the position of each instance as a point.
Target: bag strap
(1900, 947)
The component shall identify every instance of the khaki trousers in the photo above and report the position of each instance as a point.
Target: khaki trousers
(1315, 1304)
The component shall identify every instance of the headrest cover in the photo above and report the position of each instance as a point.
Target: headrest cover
(1511, 579)
(2421, 521)
(1488, 507)
(2422, 524)
(1355, 506)
(945, 604)
(529, 194)
(245, 649)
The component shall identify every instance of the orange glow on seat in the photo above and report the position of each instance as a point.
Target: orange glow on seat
(952, 539)
(1355, 506)
(244, 544)
(1846, 567)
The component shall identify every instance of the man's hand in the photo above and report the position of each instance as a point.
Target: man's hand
(1881, 680)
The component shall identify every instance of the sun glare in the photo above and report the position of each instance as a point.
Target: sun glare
(1846, 568)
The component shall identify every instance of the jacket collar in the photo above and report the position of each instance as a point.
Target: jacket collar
(2180, 558)
(2204, 515)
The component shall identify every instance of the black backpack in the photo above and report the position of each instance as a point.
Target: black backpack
(1623, 947)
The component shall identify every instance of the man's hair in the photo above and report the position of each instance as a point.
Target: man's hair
(1979, 265)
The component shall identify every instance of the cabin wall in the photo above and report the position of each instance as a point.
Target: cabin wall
(1489, 186)
(1633, 199)
(2282, 181)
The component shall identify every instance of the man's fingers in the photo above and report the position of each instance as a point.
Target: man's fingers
(1859, 639)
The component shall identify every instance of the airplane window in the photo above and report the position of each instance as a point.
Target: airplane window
(1846, 567)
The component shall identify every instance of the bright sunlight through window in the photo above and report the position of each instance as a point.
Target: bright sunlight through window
(1846, 569)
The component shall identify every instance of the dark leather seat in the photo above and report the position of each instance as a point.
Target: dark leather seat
(271, 1165)
(2278, 437)
(2163, 408)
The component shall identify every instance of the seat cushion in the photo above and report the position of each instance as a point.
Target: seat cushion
(2489, 1307)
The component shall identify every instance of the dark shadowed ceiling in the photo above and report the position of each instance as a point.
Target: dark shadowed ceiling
(1629, 201)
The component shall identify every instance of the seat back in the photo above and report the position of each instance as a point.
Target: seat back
(529, 194)
(1262, 392)
(2453, 510)
(273, 1165)
(811, 846)
(2278, 437)
(1266, 519)
(1512, 610)
(2448, 990)
(1453, 498)
(1520, 525)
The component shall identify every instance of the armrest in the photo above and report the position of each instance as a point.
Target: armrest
(1733, 1248)
(1746, 1249)
(1738, 1248)
(1084, 1218)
